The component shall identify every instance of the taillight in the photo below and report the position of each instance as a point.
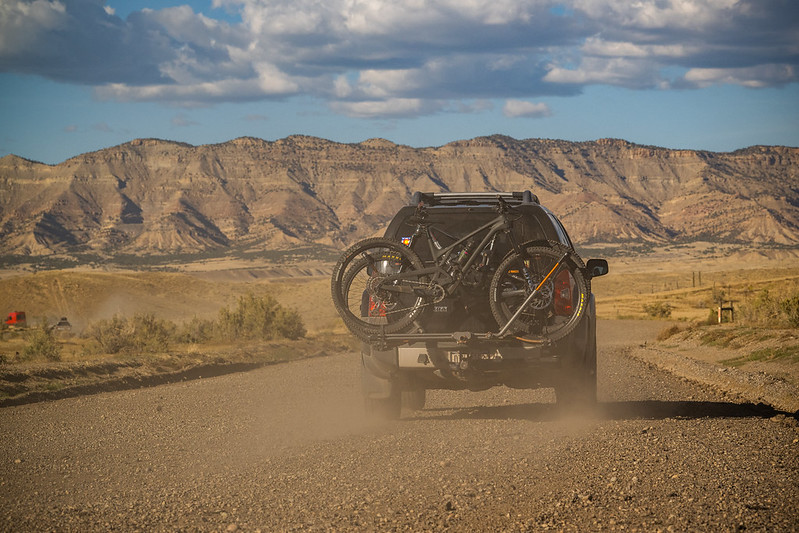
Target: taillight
(563, 294)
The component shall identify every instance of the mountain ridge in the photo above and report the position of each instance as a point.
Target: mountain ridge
(154, 196)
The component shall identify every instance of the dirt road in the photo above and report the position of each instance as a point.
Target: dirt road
(287, 448)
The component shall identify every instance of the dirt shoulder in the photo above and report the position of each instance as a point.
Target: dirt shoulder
(761, 366)
(740, 361)
(24, 383)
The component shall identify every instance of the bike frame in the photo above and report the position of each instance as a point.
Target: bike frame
(500, 224)
(446, 275)
(440, 255)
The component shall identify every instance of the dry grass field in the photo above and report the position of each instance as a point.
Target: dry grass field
(624, 295)
(84, 296)
(91, 298)
(689, 282)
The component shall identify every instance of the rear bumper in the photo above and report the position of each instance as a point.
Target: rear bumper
(445, 355)
(449, 365)
(464, 360)
(439, 350)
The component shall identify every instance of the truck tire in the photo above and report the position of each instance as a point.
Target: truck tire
(575, 388)
(384, 408)
(381, 390)
(414, 399)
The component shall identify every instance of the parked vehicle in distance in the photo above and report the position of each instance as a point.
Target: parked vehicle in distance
(470, 291)
(63, 325)
(16, 319)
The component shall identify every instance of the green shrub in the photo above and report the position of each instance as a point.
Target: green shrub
(261, 318)
(113, 335)
(196, 331)
(142, 333)
(289, 324)
(658, 309)
(712, 317)
(151, 334)
(253, 318)
(790, 306)
(41, 344)
(764, 309)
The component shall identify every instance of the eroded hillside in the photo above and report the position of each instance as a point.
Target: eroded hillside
(155, 197)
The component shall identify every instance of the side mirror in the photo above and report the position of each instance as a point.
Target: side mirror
(597, 267)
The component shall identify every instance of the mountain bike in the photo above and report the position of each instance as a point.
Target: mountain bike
(538, 291)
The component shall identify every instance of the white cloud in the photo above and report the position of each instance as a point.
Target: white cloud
(200, 93)
(393, 107)
(657, 14)
(596, 46)
(382, 83)
(754, 77)
(386, 58)
(342, 87)
(520, 108)
(22, 23)
(272, 81)
(621, 71)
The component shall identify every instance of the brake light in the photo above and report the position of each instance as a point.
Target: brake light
(563, 294)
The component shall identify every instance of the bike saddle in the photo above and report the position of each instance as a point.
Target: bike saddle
(419, 217)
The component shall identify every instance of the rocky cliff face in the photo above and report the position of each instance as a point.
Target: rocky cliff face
(152, 197)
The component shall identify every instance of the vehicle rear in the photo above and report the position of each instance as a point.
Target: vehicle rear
(446, 350)
(16, 319)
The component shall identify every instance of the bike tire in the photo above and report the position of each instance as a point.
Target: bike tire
(561, 302)
(366, 310)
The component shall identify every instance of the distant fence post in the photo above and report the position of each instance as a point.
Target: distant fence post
(726, 309)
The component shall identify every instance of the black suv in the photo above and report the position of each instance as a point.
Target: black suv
(442, 351)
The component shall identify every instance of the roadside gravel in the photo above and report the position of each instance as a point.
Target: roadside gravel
(774, 382)
(286, 448)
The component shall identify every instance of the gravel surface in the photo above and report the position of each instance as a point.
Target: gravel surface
(287, 448)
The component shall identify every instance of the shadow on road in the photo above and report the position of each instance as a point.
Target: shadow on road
(632, 410)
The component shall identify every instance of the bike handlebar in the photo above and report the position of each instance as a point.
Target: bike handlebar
(502, 205)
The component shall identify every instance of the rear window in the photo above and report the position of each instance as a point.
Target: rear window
(448, 224)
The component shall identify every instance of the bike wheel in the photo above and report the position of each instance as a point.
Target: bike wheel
(561, 300)
(368, 304)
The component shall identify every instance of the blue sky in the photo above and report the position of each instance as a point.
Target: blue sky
(81, 75)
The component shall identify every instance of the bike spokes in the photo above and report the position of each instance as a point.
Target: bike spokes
(367, 291)
(543, 294)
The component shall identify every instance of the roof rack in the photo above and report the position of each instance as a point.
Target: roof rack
(472, 198)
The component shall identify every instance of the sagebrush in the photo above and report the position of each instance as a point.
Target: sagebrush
(42, 344)
(766, 309)
(253, 318)
(143, 333)
(658, 309)
(259, 318)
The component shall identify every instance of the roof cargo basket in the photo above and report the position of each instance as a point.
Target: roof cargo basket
(472, 198)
